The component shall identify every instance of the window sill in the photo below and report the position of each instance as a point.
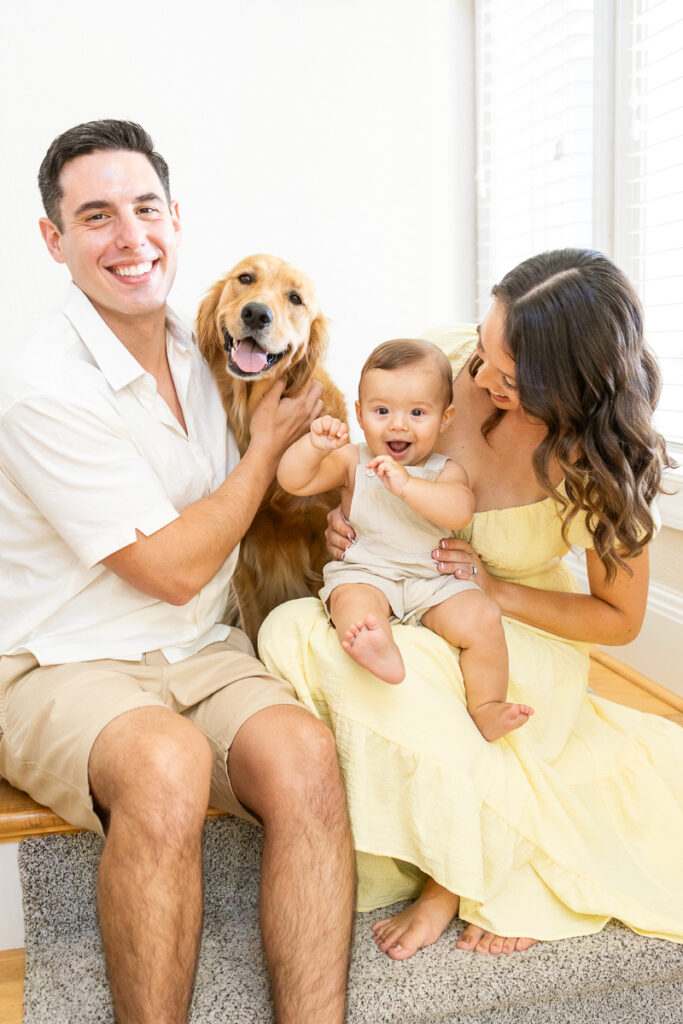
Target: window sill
(671, 505)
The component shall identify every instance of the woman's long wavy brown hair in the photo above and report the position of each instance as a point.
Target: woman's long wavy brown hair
(574, 327)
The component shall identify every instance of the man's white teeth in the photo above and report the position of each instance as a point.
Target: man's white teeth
(136, 270)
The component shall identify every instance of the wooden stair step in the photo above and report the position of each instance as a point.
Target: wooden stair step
(21, 817)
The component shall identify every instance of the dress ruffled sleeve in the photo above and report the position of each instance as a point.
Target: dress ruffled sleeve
(458, 341)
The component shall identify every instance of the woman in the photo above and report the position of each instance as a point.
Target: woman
(577, 817)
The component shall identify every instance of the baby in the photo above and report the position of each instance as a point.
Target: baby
(400, 496)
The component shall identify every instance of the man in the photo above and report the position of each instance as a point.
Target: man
(125, 704)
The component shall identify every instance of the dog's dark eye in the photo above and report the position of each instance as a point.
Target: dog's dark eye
(245, 279)
(295, 299)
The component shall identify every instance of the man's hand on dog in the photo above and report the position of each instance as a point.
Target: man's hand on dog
(278, 422)
(328, 434)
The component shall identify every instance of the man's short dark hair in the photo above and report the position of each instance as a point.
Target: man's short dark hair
(92, 137)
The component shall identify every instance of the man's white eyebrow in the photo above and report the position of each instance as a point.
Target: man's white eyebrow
(102, 204)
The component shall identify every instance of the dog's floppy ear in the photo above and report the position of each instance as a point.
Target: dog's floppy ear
(300, 372)
(208, 335)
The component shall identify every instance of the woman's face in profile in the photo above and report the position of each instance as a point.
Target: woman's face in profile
(497, 371)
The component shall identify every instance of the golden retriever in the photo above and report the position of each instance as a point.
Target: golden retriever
(261, 319)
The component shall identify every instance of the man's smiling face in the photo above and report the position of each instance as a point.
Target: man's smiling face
(119, 237)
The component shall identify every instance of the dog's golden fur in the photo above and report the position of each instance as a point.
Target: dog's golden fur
(283, 552)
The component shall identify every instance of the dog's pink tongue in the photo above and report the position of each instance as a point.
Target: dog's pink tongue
(248, 356)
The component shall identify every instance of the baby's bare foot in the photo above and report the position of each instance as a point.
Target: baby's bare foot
(497, 718)
(418, 925)
(480, 941)
(368, 644)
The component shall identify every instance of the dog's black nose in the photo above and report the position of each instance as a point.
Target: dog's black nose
(256, 315)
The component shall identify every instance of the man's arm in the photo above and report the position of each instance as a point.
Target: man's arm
(174, 563)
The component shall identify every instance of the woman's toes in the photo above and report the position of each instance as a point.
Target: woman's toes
(470, 937)
(399, 952)
(523, 944)
(484, 944)
(497, 943)
(509, 946)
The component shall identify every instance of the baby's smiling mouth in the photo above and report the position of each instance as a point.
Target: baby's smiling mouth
(398, 447)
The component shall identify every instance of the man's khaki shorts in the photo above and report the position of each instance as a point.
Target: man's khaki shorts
(51, 715)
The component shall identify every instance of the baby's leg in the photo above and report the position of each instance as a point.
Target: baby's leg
(471, 621)
(360, 613)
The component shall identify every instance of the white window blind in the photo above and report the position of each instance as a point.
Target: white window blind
(580, 143)
(649, 165)
(534, 61)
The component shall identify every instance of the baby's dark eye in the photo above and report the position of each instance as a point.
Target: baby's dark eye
(382, 411)
(295, 299)
(416, 412)
(245, 279)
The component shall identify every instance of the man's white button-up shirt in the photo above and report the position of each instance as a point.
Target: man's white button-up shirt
(89, 452)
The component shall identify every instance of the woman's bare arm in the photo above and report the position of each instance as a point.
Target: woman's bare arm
(611, 614)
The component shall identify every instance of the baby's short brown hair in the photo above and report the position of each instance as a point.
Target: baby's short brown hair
(393, 355)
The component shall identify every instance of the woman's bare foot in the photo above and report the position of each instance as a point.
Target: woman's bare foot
(475, 938)
(368, 644)
(497, 718)
(418, 925)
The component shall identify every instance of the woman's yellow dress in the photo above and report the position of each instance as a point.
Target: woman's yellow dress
(575, 818)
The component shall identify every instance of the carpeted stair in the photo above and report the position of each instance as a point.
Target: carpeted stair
(614, 977)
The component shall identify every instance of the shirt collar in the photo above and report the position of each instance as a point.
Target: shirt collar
(118, 366)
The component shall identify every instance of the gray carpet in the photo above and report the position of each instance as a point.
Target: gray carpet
(614, 977)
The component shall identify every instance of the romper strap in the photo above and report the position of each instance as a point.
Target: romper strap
(434, 465)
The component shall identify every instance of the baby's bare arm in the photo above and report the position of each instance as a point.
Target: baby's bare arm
(446, 502)
(318, 461)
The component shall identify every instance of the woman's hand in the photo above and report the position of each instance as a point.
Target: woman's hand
(339, 535)
(458, 558)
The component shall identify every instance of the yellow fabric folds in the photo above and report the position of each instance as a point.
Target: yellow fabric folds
(573, 819)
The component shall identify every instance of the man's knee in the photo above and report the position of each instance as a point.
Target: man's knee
(153, 769)
(287, 762)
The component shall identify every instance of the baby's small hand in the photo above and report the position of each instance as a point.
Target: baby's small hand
(328, 433)
(393, 475)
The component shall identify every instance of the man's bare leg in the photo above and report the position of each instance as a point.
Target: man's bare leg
(283, 767)
(150, 773)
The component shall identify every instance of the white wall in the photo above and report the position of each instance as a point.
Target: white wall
(336, 133)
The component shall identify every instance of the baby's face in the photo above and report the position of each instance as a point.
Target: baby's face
(401, 412)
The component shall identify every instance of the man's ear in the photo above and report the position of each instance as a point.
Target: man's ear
(53, 239)
(175, 220)
(448, 415)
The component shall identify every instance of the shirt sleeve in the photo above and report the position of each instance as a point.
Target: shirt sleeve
(84, 473)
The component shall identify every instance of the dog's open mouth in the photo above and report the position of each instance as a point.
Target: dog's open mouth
(246, 358)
